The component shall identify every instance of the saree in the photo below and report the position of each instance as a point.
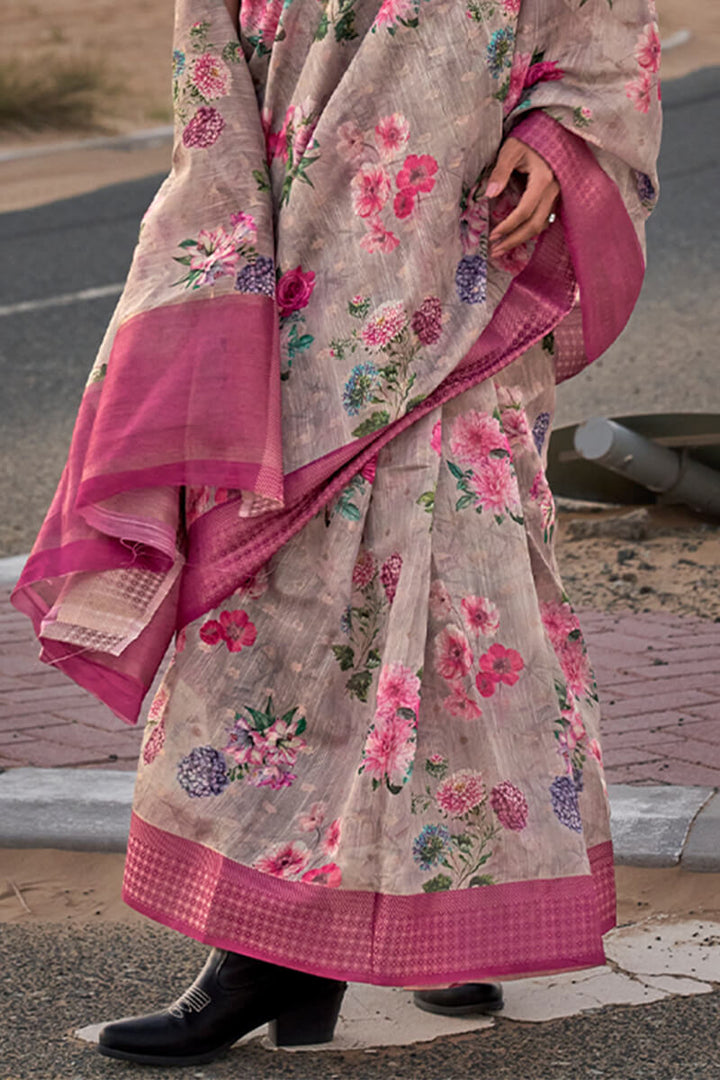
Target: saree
(312, 448)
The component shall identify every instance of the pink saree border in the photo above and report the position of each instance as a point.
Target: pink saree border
(533, 927)
(223, 550)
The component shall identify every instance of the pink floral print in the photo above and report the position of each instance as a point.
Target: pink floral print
(284, 860)
(481, 615)
(541, 494)
(232, 627)
(329, 875)
(495, 487)
(461, 705)
(639, 90)
(391, 135)
(510, 806)
(502, 665)
(453, 655)
(211, 76)
(460, 793)
(370, 188)
(386, 323)
(475, 435)
(398, 688)
(331, 840)
(313, 819)
(389, 751)
(648, 48)
(294, 290)
(265, 747)
(436, 438)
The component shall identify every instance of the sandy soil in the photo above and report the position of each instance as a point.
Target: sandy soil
(649, 559)
(133, 44)
(76, 888)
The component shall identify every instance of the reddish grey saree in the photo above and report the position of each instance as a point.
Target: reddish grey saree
(313, 443)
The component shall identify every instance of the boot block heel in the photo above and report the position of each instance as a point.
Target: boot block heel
(309, 1024)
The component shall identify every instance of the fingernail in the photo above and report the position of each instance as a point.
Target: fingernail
(492, 190)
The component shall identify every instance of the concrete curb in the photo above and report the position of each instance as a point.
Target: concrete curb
(134, 140)
(89, 810)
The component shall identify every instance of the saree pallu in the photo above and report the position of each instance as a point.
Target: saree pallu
(311, 446)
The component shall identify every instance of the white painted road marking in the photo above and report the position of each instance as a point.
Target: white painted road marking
(62, 301)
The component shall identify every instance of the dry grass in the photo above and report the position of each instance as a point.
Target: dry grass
(61, 94)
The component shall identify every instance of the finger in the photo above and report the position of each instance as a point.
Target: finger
(537, 194)
(528, 229)
(509, 156)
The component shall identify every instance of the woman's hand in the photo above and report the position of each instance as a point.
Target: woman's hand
(530, 216)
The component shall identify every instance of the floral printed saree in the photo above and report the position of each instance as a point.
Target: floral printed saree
(312, 448)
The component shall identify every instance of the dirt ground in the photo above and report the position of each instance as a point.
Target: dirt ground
(76, 888)
(654, 558)
(133, 43)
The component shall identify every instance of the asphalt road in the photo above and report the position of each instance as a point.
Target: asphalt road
(666, 360)
(61, 979)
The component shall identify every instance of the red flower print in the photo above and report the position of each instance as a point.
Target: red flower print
(329, 875)
(510, 805)
(485, 684)
(390, 574)
(391, 135)
(501, 664)
(404, 203)
(232, 627)
(648, 48)
(418, 173)
(370, 190)
(294, 290)
(453, 655)
(427, 320)
(365, 569)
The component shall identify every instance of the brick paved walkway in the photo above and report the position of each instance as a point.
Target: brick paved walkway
(659, 677)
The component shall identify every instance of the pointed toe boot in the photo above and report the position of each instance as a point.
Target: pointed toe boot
(232, 996)
(468, 999)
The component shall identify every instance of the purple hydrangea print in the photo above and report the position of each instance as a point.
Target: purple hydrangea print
(471, 279)
(203, 772)
(204, 129)
(257, 277)
(646, 189)
(540, 429)
(565, 803)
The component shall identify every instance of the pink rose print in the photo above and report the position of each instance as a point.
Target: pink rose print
(460, 793)
(648, 48)
(294, 290)
(211, 76)
(453, 655)
(314, 818)
(514, 418)
(495, 486)
(331, 841)
(329, 875)
(436, 438)
(389, 750)
(232, 627)
(510, 806)
(270, 20)
(351, 143)
(370, 190)
(426, 323)
(390, 575)
(365, 569)
(398, 688)
(214, 256)
(378, 238)
(639, 91)
(474, 436)
(204, 129)
(418, 173)
(501, 664)
(480, 615)
(459, 704)
(284, 860)
(404, 203)
(595, 750)
(391, 135)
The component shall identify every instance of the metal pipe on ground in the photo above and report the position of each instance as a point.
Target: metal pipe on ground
(675, 477)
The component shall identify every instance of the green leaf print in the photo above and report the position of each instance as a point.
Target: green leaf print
(374, 659)
(345, 656)
(359, 684)
(481, 879)
(457, 471)
(440, 883)
(374, 422)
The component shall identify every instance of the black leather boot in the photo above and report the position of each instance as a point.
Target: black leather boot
(231, 996)
(468, 999)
